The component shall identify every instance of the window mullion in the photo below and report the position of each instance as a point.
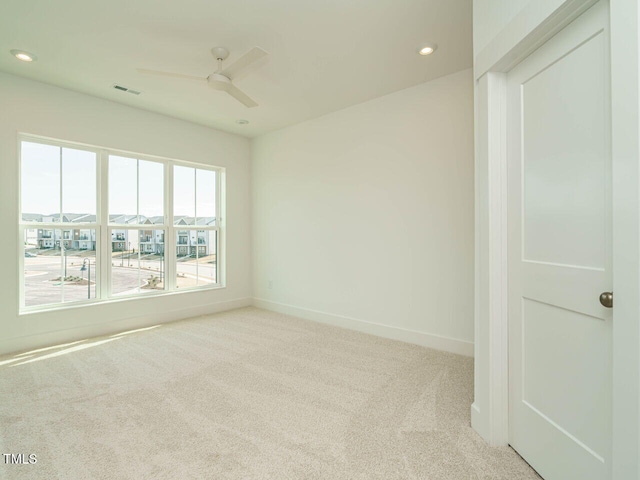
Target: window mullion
(60, 174)
(22, 248)
(195, 222)
(62, 250)
(170, 235)
(138, 191)
(63, 254)
(103, 255)
(220, 227)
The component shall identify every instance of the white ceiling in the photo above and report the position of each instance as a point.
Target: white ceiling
(325, 55)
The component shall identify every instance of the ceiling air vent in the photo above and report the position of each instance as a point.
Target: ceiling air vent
(126, 89)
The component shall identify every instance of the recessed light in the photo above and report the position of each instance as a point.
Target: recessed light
(242, 121)
(24, 56)
(427, 49)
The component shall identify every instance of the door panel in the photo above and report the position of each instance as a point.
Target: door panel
(558, 347)
(564, 196)
(560, 252)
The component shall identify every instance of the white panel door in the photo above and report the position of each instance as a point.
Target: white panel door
(559, 167)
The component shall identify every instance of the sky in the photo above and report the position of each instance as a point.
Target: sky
(131, 182)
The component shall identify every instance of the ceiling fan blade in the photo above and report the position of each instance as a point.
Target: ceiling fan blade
(169, 74)
(253, 55)
(242, 97)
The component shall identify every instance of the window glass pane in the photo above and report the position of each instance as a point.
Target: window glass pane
(40, 177)
(151, 194)
(186, 262)
(195, 258)
(125, 275)
(78, 185)
(42, 267)
(31, 240)
(207, 257)
(119, 239)
(206, 197)
(137, 261)
(57, 265)
(123, 190)
(79, 264)
(184, 205)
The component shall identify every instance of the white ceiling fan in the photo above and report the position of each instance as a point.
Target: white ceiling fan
(223, 79)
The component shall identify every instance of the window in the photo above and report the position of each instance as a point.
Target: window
(58, 201)
(136, 223)
(194, 205)
(97, 224)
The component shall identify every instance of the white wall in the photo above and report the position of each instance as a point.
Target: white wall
(490, 17)
(500, 25)
(366, 215)
(31, 107)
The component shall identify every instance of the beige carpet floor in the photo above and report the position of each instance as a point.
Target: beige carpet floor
(247, 394)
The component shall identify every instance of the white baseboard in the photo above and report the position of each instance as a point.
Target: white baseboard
(453, 345)
(46, 339)
(478, 421)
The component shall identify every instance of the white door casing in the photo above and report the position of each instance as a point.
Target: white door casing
(559, 252)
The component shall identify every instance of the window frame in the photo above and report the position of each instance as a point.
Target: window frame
(103, 227)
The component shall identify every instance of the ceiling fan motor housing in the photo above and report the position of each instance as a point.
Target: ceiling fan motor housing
(219, 82)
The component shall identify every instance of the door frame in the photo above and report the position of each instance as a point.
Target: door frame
(534, 25)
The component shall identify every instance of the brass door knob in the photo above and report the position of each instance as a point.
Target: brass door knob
(606, 299)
